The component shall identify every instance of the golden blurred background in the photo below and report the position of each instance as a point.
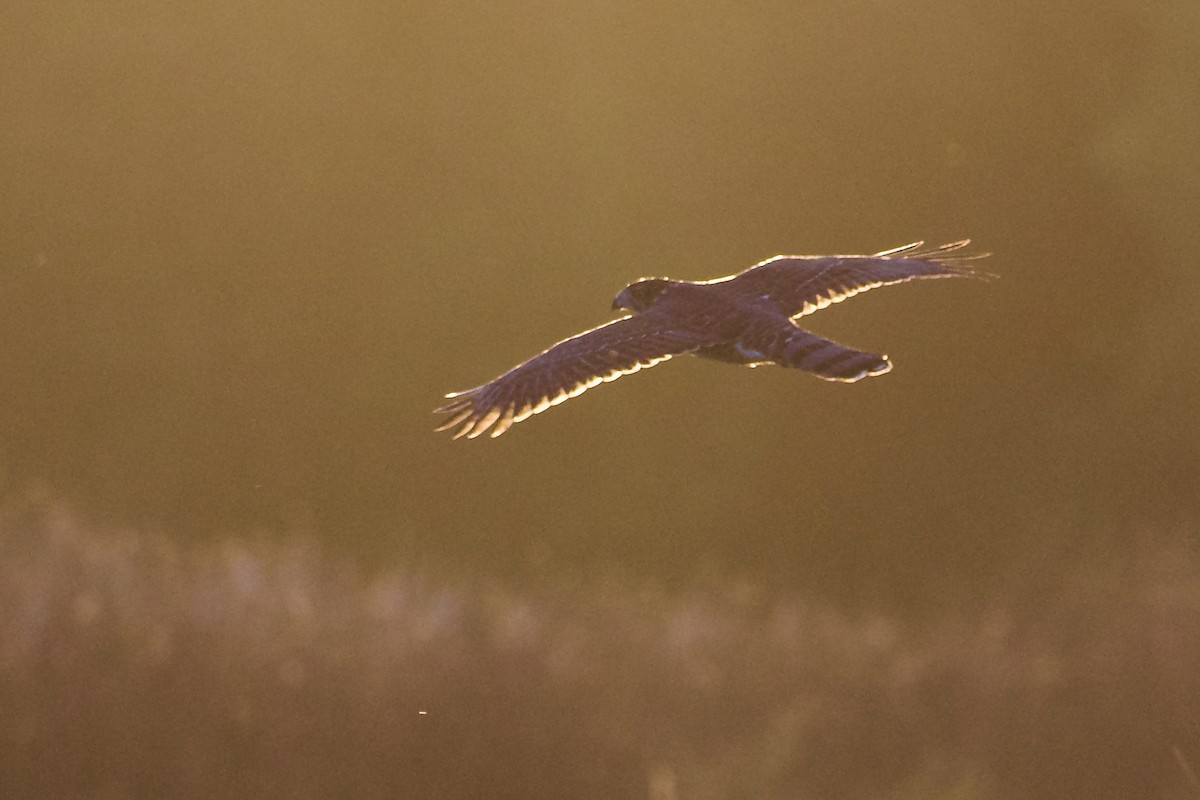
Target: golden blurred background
(246, 249)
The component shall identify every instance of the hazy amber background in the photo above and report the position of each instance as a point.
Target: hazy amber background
(245, 250)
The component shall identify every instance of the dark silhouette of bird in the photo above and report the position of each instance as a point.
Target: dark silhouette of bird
(747, 319)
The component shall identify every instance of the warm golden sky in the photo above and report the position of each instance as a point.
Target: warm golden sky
(246, 252)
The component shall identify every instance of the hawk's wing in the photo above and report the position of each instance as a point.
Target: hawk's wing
(801, 285)
(567, 369)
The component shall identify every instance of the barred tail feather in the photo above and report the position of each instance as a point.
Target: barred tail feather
(829, 360)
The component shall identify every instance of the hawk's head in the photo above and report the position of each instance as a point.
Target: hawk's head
(640, 295)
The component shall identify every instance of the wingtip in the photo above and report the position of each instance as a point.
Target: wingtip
(458, 415)
(959, 264)
(982, 274)
(941, 253)
(904, 248)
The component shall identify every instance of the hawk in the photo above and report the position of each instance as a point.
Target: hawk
(747, 318)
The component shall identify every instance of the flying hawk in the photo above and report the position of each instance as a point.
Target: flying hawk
(745, 319)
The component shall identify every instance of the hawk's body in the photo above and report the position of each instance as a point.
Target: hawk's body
(744, 319)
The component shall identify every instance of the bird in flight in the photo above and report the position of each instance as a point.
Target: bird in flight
(747, 319)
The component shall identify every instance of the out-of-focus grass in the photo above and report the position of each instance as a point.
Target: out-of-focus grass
(132, 666)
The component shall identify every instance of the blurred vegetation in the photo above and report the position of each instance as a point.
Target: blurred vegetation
(245, 251)
(134, 666)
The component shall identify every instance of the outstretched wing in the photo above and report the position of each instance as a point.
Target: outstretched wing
(801, 285)
(568, 369)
